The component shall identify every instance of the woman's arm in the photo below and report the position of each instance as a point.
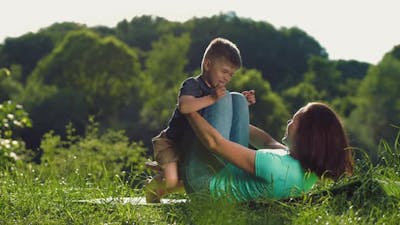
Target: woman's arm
(235, 153)
(261, 139)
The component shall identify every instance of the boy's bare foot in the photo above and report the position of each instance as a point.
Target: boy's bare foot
(154, 189)
(153, 165)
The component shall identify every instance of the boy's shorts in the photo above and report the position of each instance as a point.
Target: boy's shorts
(165, 149)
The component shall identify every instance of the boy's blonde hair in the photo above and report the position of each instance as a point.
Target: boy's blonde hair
(222, 48)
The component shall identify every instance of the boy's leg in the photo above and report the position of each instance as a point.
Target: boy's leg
(153, 188)
(153, 165)
(166, 156)
(199, 164)
(163, 183)
(240, 119)
(171, 175)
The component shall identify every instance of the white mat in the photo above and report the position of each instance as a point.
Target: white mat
(132, 201)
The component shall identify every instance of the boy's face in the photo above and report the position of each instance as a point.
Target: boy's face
(218, 72)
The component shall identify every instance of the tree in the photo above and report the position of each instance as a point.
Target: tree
(58, 31)
(269, 113)
(299, 95)
(280, 55)
(142, 31)
(323, 74)
(84, 75)
(162, 78)
(26, 51)
(295, 52)
(10, 87)
(352, 69)
(352, 73)
(103, 69)
(378, 103)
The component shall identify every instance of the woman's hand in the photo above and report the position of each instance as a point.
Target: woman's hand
(250, 96)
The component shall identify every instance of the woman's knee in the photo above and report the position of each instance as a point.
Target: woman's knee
(240, 119)
(221, 105)
(219, 115)
(238, 99)
(240, 106)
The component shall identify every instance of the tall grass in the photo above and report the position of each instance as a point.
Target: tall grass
(45, 194)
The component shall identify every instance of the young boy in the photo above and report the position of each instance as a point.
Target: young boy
(220, 61)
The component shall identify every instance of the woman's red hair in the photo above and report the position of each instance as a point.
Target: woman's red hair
(320, 142)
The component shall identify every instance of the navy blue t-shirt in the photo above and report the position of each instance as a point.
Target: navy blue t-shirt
(193, 86)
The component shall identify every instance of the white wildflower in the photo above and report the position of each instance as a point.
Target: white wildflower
(14, 156)
(15, 143)
(17, 123)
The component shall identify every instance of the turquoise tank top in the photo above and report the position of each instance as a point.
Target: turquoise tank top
(277, 176)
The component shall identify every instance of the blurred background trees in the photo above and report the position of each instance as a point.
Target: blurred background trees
(127, 77)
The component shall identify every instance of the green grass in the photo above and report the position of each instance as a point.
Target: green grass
(41, 194)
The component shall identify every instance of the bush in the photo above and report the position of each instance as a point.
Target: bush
(12, 116)
(93, 155)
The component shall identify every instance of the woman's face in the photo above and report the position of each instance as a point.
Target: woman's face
(291, 128)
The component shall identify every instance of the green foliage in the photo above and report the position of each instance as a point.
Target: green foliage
(142, 31)
(58, 31)
(102, 69)
(162, 78)
(9, 85)
(73, 110)
(87, 72)
(299, 95)
(269, 112)
(346, 98)
(12, 117)
(128, 76)
(89, 75)
(335, 82)
(280, 55)
(390, 156)
(4, 72)
(95, 155)
(323, 74)
(26, 51)
(297, 50)
(352, 69)
(378, 103)
(38, 194)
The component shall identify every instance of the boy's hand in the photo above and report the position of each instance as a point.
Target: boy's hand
(218, 92)
(250, 96)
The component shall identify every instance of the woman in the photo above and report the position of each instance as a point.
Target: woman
(316, 147)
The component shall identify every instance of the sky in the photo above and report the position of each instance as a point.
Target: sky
(362, 30)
